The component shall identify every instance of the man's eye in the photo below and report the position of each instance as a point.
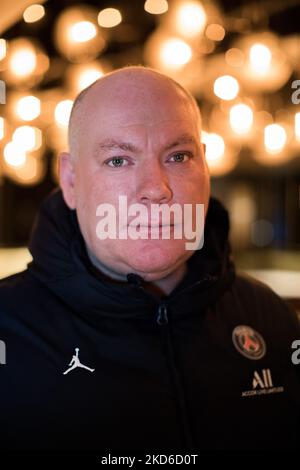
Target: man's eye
(180, 157)
(117, 162)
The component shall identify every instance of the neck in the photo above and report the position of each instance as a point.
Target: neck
(161, 287)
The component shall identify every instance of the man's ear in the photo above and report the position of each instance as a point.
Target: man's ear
(67, 178)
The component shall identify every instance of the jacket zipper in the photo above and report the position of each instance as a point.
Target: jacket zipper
(163, 322)
(162, 314)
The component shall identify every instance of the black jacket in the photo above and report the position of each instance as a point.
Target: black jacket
(169, 374)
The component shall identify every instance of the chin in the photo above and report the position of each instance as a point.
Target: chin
(156, 260)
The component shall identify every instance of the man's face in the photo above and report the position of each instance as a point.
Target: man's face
(144, 144)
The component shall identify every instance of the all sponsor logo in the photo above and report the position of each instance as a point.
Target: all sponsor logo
(262, 384)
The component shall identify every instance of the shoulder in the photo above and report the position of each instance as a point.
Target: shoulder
(255, 301)
(247, 288)
(244, 284)
(16, 283)
(13, 292)
(11, 285)
(19, 294)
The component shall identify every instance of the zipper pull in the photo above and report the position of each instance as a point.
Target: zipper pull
(162, 314)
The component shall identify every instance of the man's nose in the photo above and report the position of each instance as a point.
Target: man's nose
(152, 184)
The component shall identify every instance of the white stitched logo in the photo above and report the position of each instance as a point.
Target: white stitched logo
(75, 362)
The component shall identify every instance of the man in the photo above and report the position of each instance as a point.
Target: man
(173, 350)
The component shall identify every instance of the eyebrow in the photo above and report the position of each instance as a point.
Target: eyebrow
(109, 144)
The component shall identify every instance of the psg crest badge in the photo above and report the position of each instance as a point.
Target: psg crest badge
(248, 342)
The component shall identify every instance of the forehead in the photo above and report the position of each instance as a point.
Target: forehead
(146, 106)
(133, 115)
(139, 112)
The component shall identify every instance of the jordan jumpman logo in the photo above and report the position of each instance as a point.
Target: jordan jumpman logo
(75, 362)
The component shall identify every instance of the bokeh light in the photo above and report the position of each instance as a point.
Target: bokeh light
(77, 35)
(14, 154)
(215, 145)
(82, 31)
(33, 13)
(109, 18)
(28, 108)
(266, 67)
(275, 138)
(87, 77)
(22, 62)
(260, 58)
(226, 87)
(234, 57)
(241, 118)
(190, 19)
(220, 159)
(215, 32)
(156, 7)
(2, 49)
(1, 127)
(31, 172)
(27, 137)
(175, 53)
(26, 63)
(62, 112)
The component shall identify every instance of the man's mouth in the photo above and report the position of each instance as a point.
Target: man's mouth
(155, 226)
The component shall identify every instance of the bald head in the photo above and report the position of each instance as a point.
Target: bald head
(116, 89)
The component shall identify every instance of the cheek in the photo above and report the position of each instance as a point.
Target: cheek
(92, 189)
(192, 188)
(202, 183)
(86, 193)
(89, 186)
